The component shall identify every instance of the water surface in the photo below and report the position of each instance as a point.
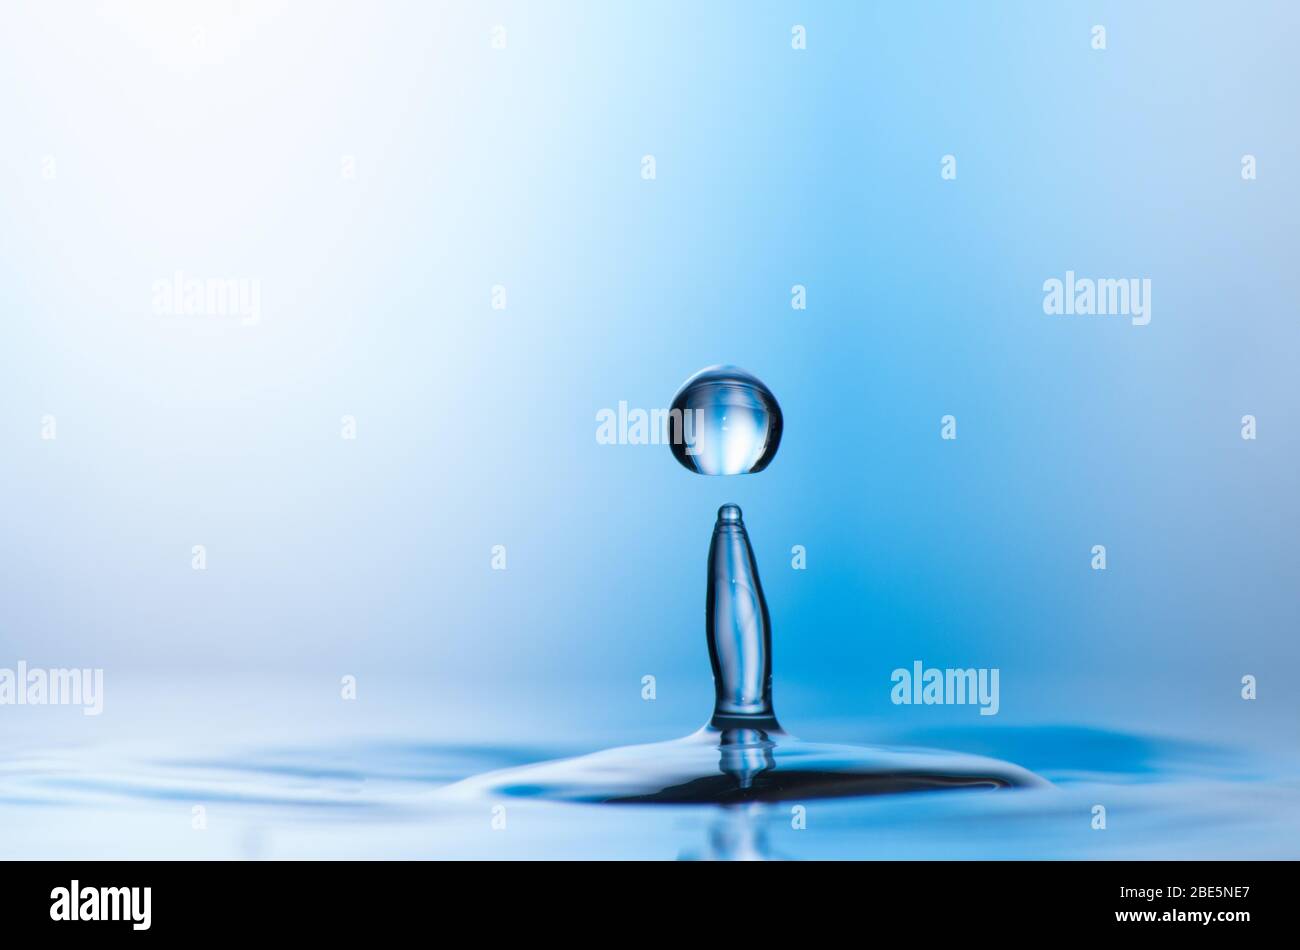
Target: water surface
(270, 785)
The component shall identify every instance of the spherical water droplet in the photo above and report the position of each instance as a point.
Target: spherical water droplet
(724, 421)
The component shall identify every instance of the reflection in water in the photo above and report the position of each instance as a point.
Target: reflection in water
(738, 833)
(744, 754)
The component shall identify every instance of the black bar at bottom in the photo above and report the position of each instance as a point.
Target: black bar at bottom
(333, 898)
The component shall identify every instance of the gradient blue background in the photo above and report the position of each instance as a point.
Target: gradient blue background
(477, 427)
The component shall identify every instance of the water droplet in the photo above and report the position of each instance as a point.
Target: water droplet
(724, 422)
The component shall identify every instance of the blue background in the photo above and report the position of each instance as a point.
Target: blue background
(476, 426)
